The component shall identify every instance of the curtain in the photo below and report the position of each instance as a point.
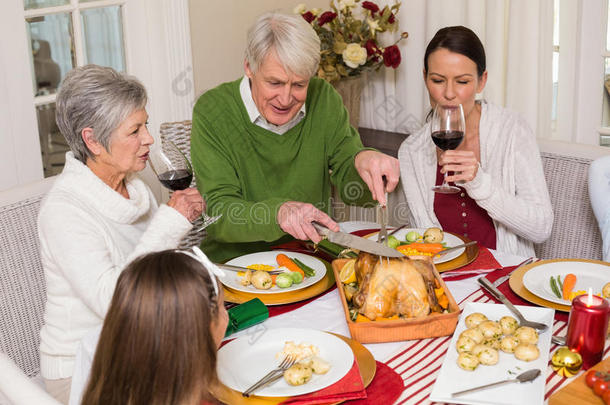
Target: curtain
(517, 36)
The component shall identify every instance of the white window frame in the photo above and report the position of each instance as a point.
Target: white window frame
(157, 51)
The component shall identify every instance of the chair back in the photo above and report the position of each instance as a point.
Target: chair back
(22, 281)
(179, 133)
(575, 231)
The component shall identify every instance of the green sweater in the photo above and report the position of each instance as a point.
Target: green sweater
(246, 172)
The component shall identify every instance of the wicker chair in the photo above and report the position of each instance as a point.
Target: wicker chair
(22, 286)
(180, 134)
(575, 231)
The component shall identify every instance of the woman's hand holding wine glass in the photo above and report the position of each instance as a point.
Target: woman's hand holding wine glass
(447, 127)
(462, 165)
(174, 171)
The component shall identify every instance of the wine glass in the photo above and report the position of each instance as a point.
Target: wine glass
(447, 127)
(174, 171)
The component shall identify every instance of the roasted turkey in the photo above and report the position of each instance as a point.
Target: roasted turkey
(389, 287)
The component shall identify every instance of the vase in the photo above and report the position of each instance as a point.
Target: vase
(350, 90)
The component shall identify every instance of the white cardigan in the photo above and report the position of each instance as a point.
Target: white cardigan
(88, 233)
(509, 183)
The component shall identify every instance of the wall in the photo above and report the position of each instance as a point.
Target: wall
(218, 35)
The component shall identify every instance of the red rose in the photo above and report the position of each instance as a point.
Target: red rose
(391, 18)
(391, 56)
(326, 17)
(371, 47)
(372, 7)
(308, 16)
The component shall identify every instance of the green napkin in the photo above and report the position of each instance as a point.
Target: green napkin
(245, 315)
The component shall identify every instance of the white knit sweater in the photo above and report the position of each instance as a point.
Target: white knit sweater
(509, 184)
(88, 233)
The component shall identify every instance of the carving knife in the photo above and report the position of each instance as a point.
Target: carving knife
(356, 242)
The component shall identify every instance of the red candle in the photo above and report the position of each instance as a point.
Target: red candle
(587, 328)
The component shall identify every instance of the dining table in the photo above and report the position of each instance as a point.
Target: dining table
(417, 362)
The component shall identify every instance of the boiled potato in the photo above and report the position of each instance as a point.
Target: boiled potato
(298, 374)
(246, 279)
(527, 352)
(474, 334)
(433, 235)
(468, 361)
(488, 356)
(490, 329)
(261, 280)
(526, 334)
(509, 325)
(508, 344)
(319, 365)
(465, 344)
(473, 320)
(606, 290)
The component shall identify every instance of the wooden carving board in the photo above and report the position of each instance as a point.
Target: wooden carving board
(577, 391)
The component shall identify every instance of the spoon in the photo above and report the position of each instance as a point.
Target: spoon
(449, 249)
(526, 376)
(500, 297)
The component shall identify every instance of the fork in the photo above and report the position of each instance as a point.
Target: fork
(286, 363)
(502, 279)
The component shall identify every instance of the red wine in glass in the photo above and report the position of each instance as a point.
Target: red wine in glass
(179, 179)
(447, 127)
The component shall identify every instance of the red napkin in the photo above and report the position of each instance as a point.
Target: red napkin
(385, 388)
(512, 297)
(349, 387)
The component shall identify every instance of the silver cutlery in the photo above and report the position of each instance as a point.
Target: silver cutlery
(450, 249)
(559, 340)
(230, 267)
(500, 297)
(502, 279)
(286, 363)
(382, 214)
(356, 242)
(527, 376)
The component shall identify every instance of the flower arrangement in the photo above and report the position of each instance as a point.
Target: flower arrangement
(348, 40)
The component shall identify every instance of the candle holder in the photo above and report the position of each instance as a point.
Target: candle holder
(587, 328)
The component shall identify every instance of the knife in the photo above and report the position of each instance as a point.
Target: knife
(356, 242)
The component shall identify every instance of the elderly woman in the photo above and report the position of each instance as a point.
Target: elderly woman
(266, 147)
(99, 215)
(503, 203)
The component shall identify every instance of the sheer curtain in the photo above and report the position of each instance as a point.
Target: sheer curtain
(517, 35)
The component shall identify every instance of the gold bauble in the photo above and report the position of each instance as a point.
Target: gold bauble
(565, 362)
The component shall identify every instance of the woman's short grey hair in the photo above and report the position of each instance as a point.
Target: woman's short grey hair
(99, 98)
(294, 41)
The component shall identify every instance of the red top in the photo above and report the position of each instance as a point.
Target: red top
(460, 214)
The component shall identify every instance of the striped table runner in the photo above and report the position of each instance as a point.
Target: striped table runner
(420, 362)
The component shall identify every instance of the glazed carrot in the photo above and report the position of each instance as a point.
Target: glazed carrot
(285, 261)
(569, 281)
(423, 247)
(273, 277)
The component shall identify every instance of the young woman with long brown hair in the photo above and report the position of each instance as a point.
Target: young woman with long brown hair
(159, 339)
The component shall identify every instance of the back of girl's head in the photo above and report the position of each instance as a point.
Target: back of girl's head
(156, 345)
(460, 40)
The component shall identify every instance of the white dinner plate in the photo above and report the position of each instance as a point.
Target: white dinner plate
(232, 280)
(452, 378)
(449, 239)
(594, 275)
(245, 360)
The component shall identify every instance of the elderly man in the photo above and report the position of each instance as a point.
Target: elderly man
(266, 147)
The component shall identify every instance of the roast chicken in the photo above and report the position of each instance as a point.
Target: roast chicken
(389, 287)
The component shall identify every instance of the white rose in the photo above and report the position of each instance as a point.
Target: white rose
(300, 8)
(354, 55)
(343, 4)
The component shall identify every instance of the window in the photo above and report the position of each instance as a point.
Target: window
(65, 34)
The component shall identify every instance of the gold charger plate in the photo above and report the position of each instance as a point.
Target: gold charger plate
(289, 297)
(469, 255)
(364, 358)
(516, 283)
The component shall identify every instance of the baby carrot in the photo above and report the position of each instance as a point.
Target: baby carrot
(423, 247)
(285, 261)
(569, 281)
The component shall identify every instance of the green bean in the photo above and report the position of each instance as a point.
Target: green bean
(554, 288)
(309, 272)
